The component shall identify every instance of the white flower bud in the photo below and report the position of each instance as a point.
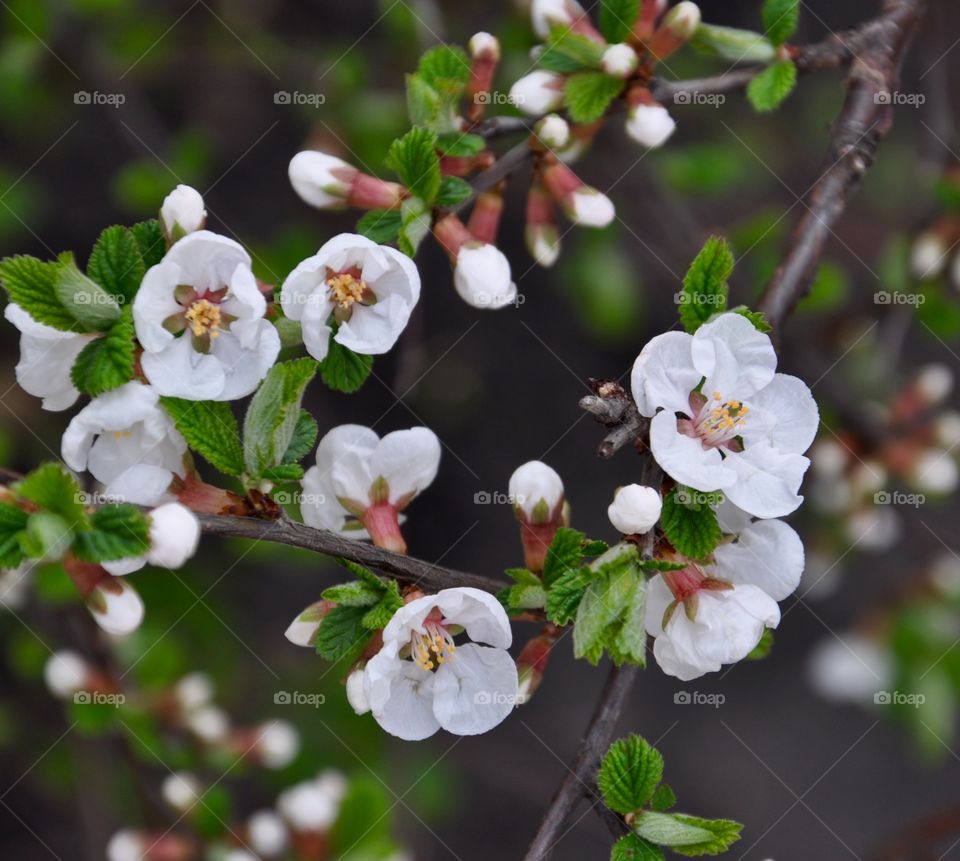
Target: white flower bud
(538, 92)
(320, 179)
(935, 382)
(829, 458)
(553, 131)
(116, 606)
(356, 695)
(635, 509)
(333, 783)
(536, 491)
(928, 256)
(182, 212)
(181, 790)
(849, 668)
(650, 125)
(547, 14)
(620, 61)
(935, 472)
(126, 845)
(588, 207)
(302, 631)
(543, 243)
(484, 44)
(193, 691)
(209, 723)
(874, 529)
(266, 833)
(65, 673)
(14, 586)
(308, 806)
(278, 743)
(683, 19)
(174, 535)
(482, 277)
(946, 428)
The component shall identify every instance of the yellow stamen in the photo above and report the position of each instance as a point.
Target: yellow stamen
(432, 648)
(203, 317)
(345, 289)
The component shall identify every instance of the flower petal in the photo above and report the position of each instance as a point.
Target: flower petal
(400, 695)
(408, 460)
(664, 375)
(797, 417)
(767, 480)
(767, 554)
(736, 359)
(480, 614)
(476, 690)
(685, 459)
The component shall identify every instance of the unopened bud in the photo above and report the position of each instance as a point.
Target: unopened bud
(536, 491)
(65, 673)
(928, 256)
(356, 692)
(302, 631)
(277, 744)
(182, 212)
(553, 131)
(635, 509)
(676, 28)
(541, 232)
(327, 182)
(267, 833)
(581, 203)
(181, 790)
(538, 93)
(619, 61)
(649, 124)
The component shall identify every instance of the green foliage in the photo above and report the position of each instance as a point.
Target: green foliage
(414, 159)
(756, 317)
(150, 241)
(86, 301)
(566, 553)
(107, 362)
(617, 18)
(587, 95)
(663, 798)
(705, 284)
(460, 145)
(453, 190)
(565, 595)
(634, 848)
(32, 284)
(768, 89)
(47, 536)
(362, 829)
(342, 634)
(343, 370)
(13, 521)
(629, 774)
(690, 523)
(114, 532)
(688, 835)
(735, 45)
(415, 222)
(116, 262)
(305, 433)
(51, 487)
(274, 414)
(446, 69)
(763, 648)
(380, 225)
(210, 428)
(566, 51)
(780, 19)
(527, 593)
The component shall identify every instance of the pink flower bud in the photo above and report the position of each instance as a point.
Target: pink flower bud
(536, 491)
(581, 203)
(485, 218)
(541, 233)
(481, 272)
(678, 25)
(327, 182)
(485, 51)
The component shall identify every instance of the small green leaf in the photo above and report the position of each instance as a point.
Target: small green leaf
(32, 284)
(210, 428)
(692, 529)
(730, 43)
(459, 145)
(763, 648)
(116, 263)
(581, 50)
(343, 370)
(629, 773)
(613, 600)
(361, 573)
(564, 554)
(528, 593)
(341, 633)
(47, 536)
(705, 284)
(354, 594)
(663, 798)
(107, 362)
(445, 68)
(92, 306)
(688, 835)
(415, 222)
(565, 595)
(588, 95)
(768, 89)
(756, 317)
(150, 240)
(633, 848)
(53, 488)
(423, 102)
(617, 18)
(379, 616)
(453, 190)
(780, 19)
(115, 532)
(13, 521)
(414, 158)
(380, 225)
(305, 434)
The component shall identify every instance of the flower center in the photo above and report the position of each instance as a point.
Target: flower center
(433, 647)
(345, 289)
(204, 317)
(719, 421)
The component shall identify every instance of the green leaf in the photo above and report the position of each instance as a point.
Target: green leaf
(446, 69)
(362, 829)
(453, 190)
(150, 240)
(617, 18)
(116, 263)
(341, 633)
(756, 317)
(705, 284)
(13, 521)
(564, 554)
(588, 95)
(690, 527)
(663, 798)
(608, 604)
(379, 616)
(305, 434)
(688, 835)
(655, 566)
(528, 593)
(629, 774)
(730, 43)
(343, 370)
(283, 472)
(115, 532)
(460, 145)
(274, 413)
(768, 89)
(380, 225)
(210, 428)
(628, 644)
(361, 573)
(92, 306)
(780, 19)
(578, 49)
(565, 595)
(423, 102)
(763, 648)
(53, 488)
(32, 284)
(415, 222)
(414, 158)
(354, 594)
(107, 362)
(47, 536)
(633, 848)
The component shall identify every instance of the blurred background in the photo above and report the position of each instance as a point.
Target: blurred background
(105, 105)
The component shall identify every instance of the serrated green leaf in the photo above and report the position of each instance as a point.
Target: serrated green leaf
(459, 145)
(379, 616)
(692, 530)
(565, 595)
(730, 43)
(116, 263)
(629, 773)
(630, 847)
(606, 604)
(283, 472)
(107, 362)
(528, 593)
(453, 190)
(341, 633)
(423, 102)
(343, 370)
(354, 594)
(768, 89)
(617, 18)
(85, 300)
(780, 19)
(415, 223)
(628, 643)
(305, 434)
(705, 284)
(210, 428)
(47, 538)
(273, 414)
(445, 68)
(150, 240)
(414, 159)
(32, 284)
(13, 521)
(564, 554)
(688, 835)
(115, 532)
(587, 95)
(756, 317)
(51, 487)
(361, 573)
(380, 225)
(763, 648)
(663, 798)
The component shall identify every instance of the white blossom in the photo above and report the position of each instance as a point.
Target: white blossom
(116, 606)
(635, 509)
(850, 668)
(554, 131)
(650, 125)
(536, 491)
(356, 695)
(482, 277)
(278, 743)
(174, 537)
(209, 723)
(302, 631)
(15, 584)
(182, 212)
(619, 60)
(320, 179)
(65, 673)
(313, 805)
(267, 833)
(126, 845)
(484, 44)
(368, 290)
(722, 418)
(683, 19)
(199, 316)
(465, 689)
(547, 14)
(928, 257)
(538, 92)
(128, 443)
(46, 357)
(181, 790)
(193, 691)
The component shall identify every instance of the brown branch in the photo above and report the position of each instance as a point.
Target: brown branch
(865, 118)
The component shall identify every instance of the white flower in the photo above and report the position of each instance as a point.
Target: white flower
(302, 631)
(193, 691)
(710, 614)
(174, 536)
(116, 606)
(484, 44)
(849, 668)
(14, 585)
(928, 257)
(482, 277)
(536, 491)
(65, 673)
(126, 845)
(620, 61)
(46, 357)
(581, 203)
(278, 743)
(361, 482)
(209, 723)
(553, 131)
(722, 418)
(683, 19)
(538, 93)
(934, 382)
(356, 695)
(650, 125)
(328, 182)
(547, 14)
(267, 833)
(935, 472)
(199, 316)
(182, 212)
(635, 509)
(128, 443)
(369, 290)
(313, 804)
(181, 790)
(466, 689)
